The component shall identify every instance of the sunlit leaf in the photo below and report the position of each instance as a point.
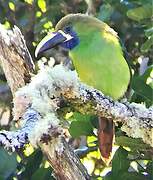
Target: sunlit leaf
(89, 163)
(92, 141)
(11, 6)
(48, 25)
(38, 14)
(42, 5)
(7, 25)
(28, 150)
(29, 1)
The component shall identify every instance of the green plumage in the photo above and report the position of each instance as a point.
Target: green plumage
(99, 61)
(98, 58)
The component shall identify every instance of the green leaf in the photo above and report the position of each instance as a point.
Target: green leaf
(147, 73)
(81, 125)
(149, 168)
(149, 32)
(132, 176)
(120, 163)
(141, 93)
(42, 174)
(34, 161)
(140, 13)
(1, 178)
(133, 144)
(8, 163)
(147, 45)
(126, 176)
(140, 87)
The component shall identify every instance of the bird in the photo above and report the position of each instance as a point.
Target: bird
(96, 53)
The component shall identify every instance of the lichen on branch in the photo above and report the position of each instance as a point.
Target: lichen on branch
(53, 86)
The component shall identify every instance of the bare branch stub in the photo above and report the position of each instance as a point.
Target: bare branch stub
(69, 169)
(15, 58)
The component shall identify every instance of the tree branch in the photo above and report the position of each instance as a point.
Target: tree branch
(17, 64)
(55, 88)
(136, 119)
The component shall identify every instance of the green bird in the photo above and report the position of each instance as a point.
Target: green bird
(97, 56)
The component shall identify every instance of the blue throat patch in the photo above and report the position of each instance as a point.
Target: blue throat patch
(70, 44)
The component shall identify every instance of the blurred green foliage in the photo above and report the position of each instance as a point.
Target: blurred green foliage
(133, 20)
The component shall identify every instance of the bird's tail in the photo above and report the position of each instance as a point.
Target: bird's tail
(105, 137)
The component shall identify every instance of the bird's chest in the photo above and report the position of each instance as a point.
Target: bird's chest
(101, 66)
(88, 65)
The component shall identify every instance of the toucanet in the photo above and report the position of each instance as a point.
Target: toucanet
(97, 56)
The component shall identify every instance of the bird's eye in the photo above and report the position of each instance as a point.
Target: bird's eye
(68, 29)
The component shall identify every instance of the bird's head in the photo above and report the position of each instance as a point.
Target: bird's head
(67, 32)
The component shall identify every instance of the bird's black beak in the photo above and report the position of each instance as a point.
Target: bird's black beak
(51, 40)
